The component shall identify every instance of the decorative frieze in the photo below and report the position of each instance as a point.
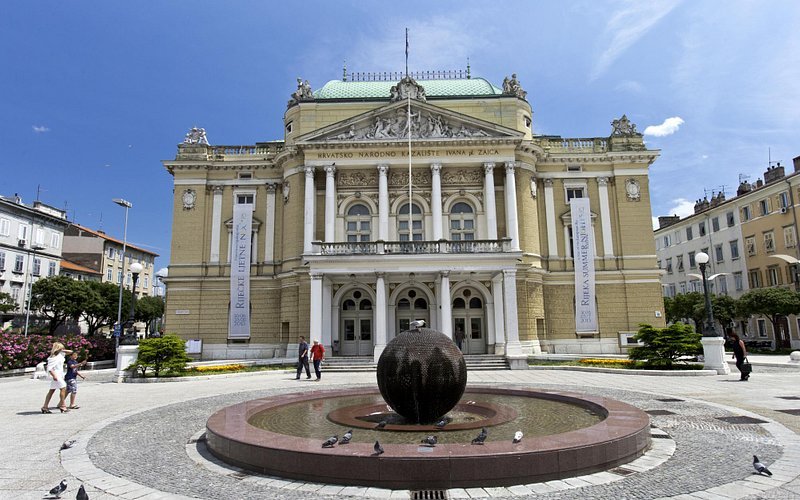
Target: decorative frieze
(462, 176)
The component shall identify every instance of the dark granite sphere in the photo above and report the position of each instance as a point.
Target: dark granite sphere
(422, 375)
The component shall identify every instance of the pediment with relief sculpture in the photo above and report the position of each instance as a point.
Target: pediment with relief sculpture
(391, 122)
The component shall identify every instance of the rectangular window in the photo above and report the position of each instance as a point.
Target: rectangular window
(144, 284)
(692, 263)
(734, 249)
(731, 219)
(244, 199)
(245, 175)
(15, 291)
(755, 278)
(2, 261)
(763, 206)
(746, 213)
(769, 242)
(667, 240)
(127, 278)
(19, 263)
(22, 232)
(671, 289)
(39, 238)
(715, 224)
(119, 277)
(750, 245)
(682, 286)
(701, 228)
(723, 284)
(574, 192)
(718, 255)
(689, 233)
(789, 236)
(679, 262)
(111, 253)
(51, 269)
(109, 274)
(773, 276)
(5, 227)
(37, 266)
(669, 265)
(55, 240)
(784, 199)
(737, 281)
(762, 327)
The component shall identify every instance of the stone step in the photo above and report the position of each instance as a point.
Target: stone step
(365, 364)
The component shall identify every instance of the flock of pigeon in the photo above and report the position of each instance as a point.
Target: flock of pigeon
(429, 441)
(61, 487)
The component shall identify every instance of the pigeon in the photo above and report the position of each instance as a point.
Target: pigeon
(444, 421)
(346, 437)
(417, 324)
(378, 448)
(81, 494)
(382, 424)
(59, 489)
(330, 442)
(759, 467)
(481, 437)
(517, 437)
(68, 444)
(430, 440)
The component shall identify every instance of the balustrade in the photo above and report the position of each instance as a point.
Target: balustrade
(412, 247)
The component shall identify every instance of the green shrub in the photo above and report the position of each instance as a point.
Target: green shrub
(665, 346)
(161, 354)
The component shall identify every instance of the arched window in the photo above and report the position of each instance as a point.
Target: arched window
(462, 222)
(416, 223)
(358, 222)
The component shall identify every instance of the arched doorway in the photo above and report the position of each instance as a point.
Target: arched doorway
(355, 327)
(411, 305)
(469, 318)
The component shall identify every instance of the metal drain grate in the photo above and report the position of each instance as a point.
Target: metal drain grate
(659, 412)
(622, 471)
(660, 436)
(790, 412)
(429, 495)
(670, 400)
(742, 420)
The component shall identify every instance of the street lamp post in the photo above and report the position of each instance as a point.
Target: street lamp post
(118, 326)
(130, 335)
(713, 342)
(29, 286)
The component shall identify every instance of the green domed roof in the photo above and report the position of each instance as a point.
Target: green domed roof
(337, 89)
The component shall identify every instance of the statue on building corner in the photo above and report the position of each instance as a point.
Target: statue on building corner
(303, 92)
(623, 127)
(407, 88)
(286, 192)
(511, 86)
(196, 136)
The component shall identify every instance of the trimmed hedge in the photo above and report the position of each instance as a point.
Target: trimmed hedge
(18, 351)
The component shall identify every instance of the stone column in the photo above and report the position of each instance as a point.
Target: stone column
(308, 211)
(383, 202)
(511, 205)
(269, 224)
(491, 208)
(436, 200)
(499, 315)
(315, 309)
(216, 223)
(550, 217)
(380, 315)
(516, 359)
(330, 203)
(327, 311)
(605, 217)
(446, 319)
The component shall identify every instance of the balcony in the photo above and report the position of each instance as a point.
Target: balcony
(412, 247)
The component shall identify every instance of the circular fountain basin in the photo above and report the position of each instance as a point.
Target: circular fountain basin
(601, 433)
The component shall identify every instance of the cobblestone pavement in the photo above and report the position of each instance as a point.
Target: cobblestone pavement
(132, 438)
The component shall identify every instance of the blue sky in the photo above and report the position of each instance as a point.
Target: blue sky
(96, 94)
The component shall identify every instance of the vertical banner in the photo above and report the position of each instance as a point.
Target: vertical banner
(239, 327)
(583, 251)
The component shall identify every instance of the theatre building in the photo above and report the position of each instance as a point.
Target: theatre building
(396, 198)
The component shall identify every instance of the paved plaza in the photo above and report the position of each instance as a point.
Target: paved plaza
(146, 440)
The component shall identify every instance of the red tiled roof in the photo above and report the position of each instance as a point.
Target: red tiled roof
(110, 238)
(65, 264)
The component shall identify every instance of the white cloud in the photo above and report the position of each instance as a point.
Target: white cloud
(668, 127)
(681, 207)
(40, 129)
(630, 86)
(628, 25)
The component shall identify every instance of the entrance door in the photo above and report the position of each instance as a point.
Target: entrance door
(355, 330)
(468, 321)
(411, 306)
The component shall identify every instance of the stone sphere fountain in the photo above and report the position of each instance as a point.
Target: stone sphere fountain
(422, 375)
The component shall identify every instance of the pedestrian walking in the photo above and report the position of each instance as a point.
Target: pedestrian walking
(317, 355)
(71, 378)
(55, 368)
(302, 361)
(740, 354)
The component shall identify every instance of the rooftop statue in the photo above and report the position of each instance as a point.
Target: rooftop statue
(196, 136)
(303, 92)
(405, 88)
(623, 127)
(512, 87)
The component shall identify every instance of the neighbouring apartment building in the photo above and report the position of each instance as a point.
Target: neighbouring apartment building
(31, 238)
(101, 253)
(392, 199)
(751, 241)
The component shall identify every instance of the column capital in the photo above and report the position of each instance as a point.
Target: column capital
(603, 181)
(330, 170)
(510, 166)
(217, 189)
(436, 168)
(272, 187)
(383, 169)
(380, 274)
(309, 170)
(444, 274)
(488, 167)
(509, 273)
(316, 276)
(548, 183)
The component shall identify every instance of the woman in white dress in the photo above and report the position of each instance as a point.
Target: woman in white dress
(55, 368)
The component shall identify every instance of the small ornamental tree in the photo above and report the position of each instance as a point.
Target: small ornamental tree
(775, 304)
(161, 354)
(7, 303)
(149, 310)
(664, 347)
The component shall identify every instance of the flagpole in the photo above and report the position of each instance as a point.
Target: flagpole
(408, 126)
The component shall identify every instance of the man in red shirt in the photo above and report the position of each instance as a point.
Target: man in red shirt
(317, 353)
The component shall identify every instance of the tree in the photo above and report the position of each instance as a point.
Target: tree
(724, 308)
(665, 346)
(58, 298)
(167, 353)
(684, 307)
(774, 303)
(149, 310)
(7, 303)
(100, 306)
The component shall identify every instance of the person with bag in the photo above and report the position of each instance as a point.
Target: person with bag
(740, 354)
(302, 361)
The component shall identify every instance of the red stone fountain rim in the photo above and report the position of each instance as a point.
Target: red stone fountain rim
(620, 437)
